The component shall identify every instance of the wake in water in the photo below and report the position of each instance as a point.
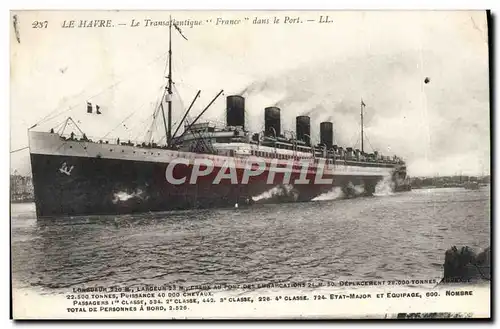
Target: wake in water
(122, 196)
(358, 190)
(352, 191)
(334, 194)
(277, 191)
(385, 187)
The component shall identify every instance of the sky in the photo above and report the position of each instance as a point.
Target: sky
(319, 69)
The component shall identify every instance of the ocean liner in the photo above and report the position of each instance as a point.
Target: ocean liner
(202, 167)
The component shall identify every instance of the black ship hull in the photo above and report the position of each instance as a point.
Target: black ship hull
(70, 186)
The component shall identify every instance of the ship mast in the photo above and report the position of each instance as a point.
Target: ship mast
(169, 97)
(362, 133)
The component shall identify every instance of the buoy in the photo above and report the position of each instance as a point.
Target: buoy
(236, 205)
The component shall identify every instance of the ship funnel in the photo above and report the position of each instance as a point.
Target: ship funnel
(235, 107)
(272, 121)
(303, 129)
(326, 134)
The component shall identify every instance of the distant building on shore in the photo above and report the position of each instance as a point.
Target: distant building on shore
(448, 181)
(21, 188)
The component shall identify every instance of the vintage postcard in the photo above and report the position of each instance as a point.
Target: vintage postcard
(250, 164)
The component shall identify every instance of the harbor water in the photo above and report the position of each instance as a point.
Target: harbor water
(387, 237)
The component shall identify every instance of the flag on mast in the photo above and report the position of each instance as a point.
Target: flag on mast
(179, 30)
(362, 103)
(90, 108)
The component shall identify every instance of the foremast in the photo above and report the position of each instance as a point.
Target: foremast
(167, 95)
(169, 86)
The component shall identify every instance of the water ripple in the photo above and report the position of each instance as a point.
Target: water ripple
(384, 238)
